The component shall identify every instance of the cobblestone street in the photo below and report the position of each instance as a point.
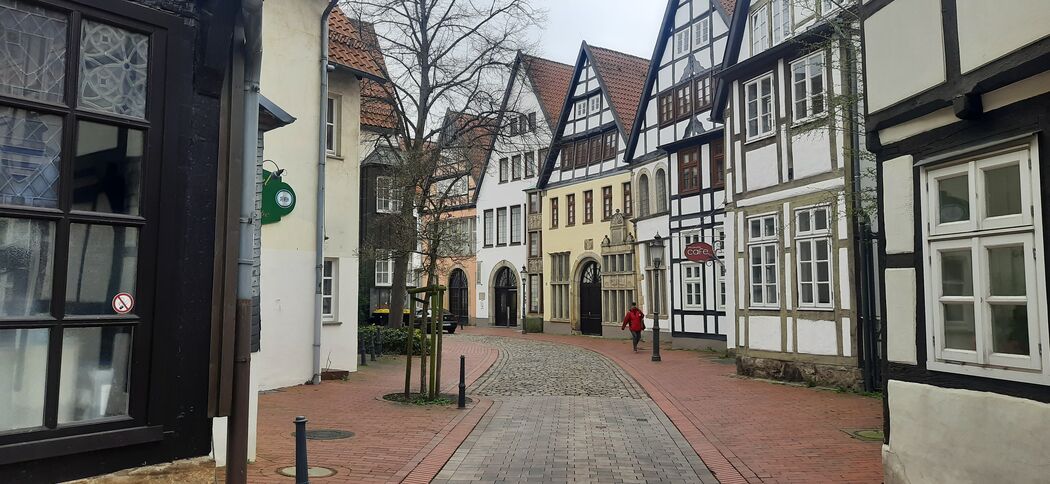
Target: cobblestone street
(562, 414)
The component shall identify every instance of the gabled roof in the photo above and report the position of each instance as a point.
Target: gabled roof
(623, 78)
(551, 81)
(354, 46)
(726, 7)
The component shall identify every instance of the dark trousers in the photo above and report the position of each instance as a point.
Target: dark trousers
(636, 336)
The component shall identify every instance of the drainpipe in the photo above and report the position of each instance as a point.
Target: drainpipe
(321, 161)
(237, 432)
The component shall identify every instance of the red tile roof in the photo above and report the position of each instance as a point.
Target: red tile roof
(551, 81)
(730, 5)
(354, 44)
(624, 78)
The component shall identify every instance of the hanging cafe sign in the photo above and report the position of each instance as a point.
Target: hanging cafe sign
(278, 198)
(700, 252)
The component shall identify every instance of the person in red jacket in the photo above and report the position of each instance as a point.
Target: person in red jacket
(636, 320)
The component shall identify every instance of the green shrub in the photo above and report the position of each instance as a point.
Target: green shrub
(393, 339)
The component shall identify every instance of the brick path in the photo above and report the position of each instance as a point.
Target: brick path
(563, 413)
(393, 442)
(746, 430)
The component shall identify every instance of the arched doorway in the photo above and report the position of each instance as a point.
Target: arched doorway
(591, 299)
(506, 292)
(457, 295)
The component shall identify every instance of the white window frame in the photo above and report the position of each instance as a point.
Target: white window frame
(595, 104)
(760, 29)
(515, 225)
(332, 126)
(386, 195)
(692, 285)
(682, 40)
(770, 102)
(488, 223)
(384, 270)
(780, 20)
(501, 226)
(702, 32)
(760, 241)
(720, 285)
(812, 237)
(581, 108)
(330, 274)
(811, 66)
(986, 233)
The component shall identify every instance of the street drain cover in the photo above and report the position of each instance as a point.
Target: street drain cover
(327, 434)
(867, 435)
(642, 420)
(311, 472)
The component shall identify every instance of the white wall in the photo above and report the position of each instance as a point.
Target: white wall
(904, 36)
(962, 436)
(492, 195)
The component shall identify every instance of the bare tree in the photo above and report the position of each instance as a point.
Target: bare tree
(448, 69)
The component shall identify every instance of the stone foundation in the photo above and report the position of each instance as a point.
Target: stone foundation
(834, 376)
(554, 327)
(201, 469)
(701, 344)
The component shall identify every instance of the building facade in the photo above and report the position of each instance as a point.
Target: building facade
(961, 143)
(793, 155)
(533, 103)
(677, 158)
(109, 146)
(585, 185)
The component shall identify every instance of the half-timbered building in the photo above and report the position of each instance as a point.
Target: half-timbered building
(957, 99)
(584, 182)
(677, 157)
(792, 157)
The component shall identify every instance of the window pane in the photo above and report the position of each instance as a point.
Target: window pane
(1006, 270)
(30, 150)
(23, 371)
(108, 169)
(822, 249)
(806, 273)
(1003, 191)
(756, 229)
(95, 373)
(956, 273)
(806, 296)
(823, 271)
(33, 52)
(820, 219)
(113, 69)
(769, 227)
(954, 199)
(26, 263)
(1010, 329)
(102, 263)
(803, 222)
(959, 332)
(326, 306)
(824, 293)
(805, 251)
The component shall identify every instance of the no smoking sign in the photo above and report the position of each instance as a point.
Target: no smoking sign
(123, 303)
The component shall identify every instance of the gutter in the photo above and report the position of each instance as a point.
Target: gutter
(237, 432)
(322, 159)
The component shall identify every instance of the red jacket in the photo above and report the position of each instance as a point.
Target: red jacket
(634, 319)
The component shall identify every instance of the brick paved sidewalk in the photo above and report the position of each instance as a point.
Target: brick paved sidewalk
(747, 430)
(392, 442)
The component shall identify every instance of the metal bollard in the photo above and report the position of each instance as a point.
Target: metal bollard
(302, 470)
(364, 355)
(379, 335)
(462, 381)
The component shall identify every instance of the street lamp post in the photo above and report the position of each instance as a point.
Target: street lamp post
(524, 299)
(656, 249)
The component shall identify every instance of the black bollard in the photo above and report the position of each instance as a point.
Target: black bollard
(364, 354)
(462, 381)
(302, 470)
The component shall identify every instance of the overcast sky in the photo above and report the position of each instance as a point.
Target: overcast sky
(625, 25)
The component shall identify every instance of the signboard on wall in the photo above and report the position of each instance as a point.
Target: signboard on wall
(700, 252)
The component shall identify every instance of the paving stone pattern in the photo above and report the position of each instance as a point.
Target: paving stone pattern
(566, 414)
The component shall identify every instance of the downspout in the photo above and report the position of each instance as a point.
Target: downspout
(237, 433)
(322, 158)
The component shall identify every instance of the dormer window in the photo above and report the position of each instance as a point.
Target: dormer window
(596, 104)
(581, 108)
(760, 30)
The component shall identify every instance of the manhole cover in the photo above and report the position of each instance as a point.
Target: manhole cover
(311, 471)
(867, 435)
(642, 419)
(327, 434)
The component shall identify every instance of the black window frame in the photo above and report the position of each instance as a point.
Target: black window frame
(143, 420)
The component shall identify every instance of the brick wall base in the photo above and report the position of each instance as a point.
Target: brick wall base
(834, 376)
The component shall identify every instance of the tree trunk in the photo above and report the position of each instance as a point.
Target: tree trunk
(398, 291)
